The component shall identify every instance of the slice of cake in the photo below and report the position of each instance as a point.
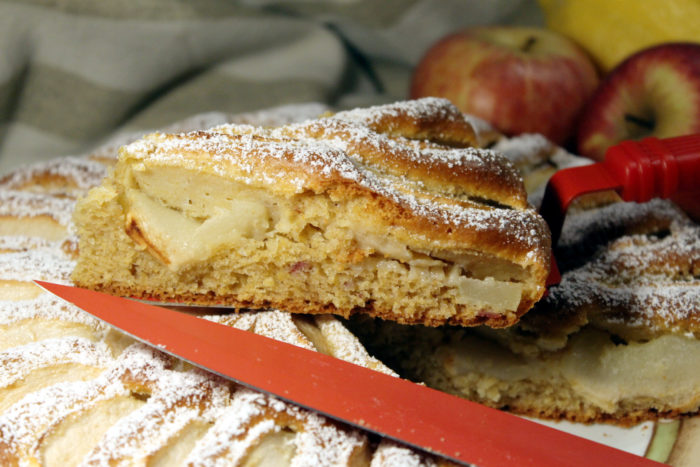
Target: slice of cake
(386, 211)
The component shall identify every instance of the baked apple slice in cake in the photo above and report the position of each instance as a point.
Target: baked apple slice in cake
(387, 211)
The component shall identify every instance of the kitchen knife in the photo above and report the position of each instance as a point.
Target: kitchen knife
(439, 423)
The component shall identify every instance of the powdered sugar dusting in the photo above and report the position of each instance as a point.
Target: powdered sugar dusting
(389, 454)
(23, 243)
(177, 400)
(271, 117)
(416, 110)
(17, 362)
(79, 175)
(47, 307)
(172, 399)
(23, 204)
(252, 415)
(366, 146)
(346, 346)
(581, 226)
(230, 437)
(321, 443)
(280, 326)
(24, 424)
(44, 263)
(245, 152)
(274, 324)
(645, 280)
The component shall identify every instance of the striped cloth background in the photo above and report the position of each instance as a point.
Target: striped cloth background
(76, 72)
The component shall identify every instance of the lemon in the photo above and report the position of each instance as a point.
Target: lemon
(612, 30)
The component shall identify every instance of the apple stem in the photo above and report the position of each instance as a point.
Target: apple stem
(528, 44)
(644, 123)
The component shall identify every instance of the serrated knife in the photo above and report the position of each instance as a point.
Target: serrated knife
(430, 420)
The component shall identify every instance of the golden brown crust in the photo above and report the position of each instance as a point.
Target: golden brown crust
(421, 119)
(631, 277)
(443, 171)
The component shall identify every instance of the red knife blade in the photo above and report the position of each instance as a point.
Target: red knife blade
(430, 420)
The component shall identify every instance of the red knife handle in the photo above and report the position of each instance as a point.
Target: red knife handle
(655, 168)
(638, 170)
(565, 186)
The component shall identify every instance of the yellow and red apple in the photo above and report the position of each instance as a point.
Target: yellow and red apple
(655, 92)
(521, 80)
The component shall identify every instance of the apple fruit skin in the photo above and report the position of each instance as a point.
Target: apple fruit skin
(520, 79)
(654, 92)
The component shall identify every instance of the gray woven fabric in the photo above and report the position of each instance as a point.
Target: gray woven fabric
(74, 73)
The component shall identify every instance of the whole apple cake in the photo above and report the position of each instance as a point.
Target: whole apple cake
(388, 211)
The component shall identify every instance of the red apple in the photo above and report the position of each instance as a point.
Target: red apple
(655, 92)
(521, 80)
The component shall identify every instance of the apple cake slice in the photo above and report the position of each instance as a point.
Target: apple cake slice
(386, 210)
